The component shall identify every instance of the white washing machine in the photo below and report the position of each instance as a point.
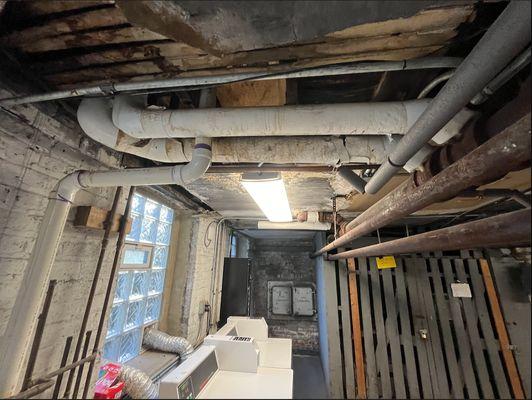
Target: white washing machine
(238, 361)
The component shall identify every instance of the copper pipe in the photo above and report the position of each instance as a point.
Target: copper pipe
(509, 229)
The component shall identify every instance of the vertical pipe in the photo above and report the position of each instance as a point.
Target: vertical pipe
(110, 284)
(507, 36)
(21, 325)
(38, 334)
(80, 371)
(64, 360)
(94, 284)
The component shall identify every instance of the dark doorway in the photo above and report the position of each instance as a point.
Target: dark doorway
(235, 289)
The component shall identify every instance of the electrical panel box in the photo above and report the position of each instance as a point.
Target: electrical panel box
(303, 301)
(281, 300)
(290, 300)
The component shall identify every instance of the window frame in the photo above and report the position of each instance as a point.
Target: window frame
(137, 246)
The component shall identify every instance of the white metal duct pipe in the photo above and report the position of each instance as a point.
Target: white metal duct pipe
(131, 117)
(94, 117)
(21, 325)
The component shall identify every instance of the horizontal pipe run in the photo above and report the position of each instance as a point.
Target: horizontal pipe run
(131, 117)
(506, 38)
(508, 151)
(510, 229)
(238, 168)
(173, 83)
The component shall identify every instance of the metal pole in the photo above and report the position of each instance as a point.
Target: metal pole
(59, 380)
(33, 391)
(238, 168)
(38, 334)
(45, 382)
(507, 151)
(110, 283)
(80, 370)
(510, 229)
(183, 82)
(95, 279)
(506, 38)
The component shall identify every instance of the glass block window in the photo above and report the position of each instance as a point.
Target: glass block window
(140, 281)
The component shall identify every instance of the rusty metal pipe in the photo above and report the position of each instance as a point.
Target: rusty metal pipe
(505, 39)
(510, 229)
(94, 284)
(508, 151)
(39, 334)
(33, 391)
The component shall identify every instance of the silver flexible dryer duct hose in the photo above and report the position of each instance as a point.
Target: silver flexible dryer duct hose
(157, 340)
(137, 384)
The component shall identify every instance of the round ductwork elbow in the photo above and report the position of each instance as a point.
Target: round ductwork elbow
(95, 118)
(198, 165)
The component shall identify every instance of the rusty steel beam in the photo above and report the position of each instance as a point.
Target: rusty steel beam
(509, 229)
(508, 151)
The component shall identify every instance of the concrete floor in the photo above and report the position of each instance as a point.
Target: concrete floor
(309, 382)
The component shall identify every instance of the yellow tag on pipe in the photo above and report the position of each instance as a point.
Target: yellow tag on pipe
(386, 262)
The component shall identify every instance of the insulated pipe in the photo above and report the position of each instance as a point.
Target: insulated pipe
(15, 342)
(132, 118)
(509, 229)
(172, 83)
(506, 38)
(352, 178)
(95, 118)
(505, 152)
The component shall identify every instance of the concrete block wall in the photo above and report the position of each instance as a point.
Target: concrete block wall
(36, 150)
(283, 260)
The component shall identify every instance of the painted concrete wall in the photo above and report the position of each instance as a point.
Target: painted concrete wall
(283, 260)
(36, 150)
(190, 284)
(329, 337)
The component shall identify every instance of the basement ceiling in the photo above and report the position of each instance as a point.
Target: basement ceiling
(72, 43)
(66, 44)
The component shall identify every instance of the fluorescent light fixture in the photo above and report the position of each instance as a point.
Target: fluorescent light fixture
(267, 189)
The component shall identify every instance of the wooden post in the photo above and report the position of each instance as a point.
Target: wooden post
(508, 356)
(357, 331)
